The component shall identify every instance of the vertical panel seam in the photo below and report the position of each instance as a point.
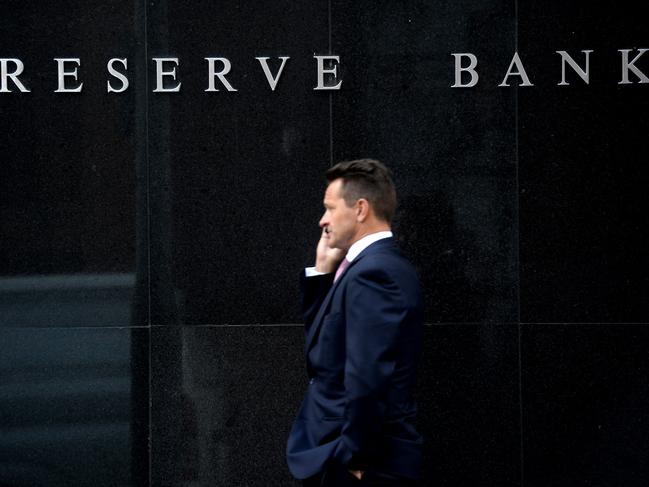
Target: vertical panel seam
(331, 124)
(148, 236)
(517, 173)
(518, 264)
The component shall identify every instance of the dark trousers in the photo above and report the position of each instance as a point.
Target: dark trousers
(338, 476)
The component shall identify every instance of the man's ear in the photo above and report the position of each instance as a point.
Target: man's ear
(362, 209)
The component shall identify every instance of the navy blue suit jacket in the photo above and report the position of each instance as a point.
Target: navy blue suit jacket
(363, 342)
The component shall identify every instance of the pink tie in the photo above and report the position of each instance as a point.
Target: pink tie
(341, 268)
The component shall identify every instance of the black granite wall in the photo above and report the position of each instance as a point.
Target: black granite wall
(151, 242)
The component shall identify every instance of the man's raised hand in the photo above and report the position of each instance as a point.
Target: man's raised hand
(327, 259)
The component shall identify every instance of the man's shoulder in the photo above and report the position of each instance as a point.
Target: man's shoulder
(386, 260)
(388, 271)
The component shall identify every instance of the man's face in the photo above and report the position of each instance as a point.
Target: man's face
(339, 220)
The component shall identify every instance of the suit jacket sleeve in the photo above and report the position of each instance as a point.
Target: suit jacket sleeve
(374, 312)
(314, 291)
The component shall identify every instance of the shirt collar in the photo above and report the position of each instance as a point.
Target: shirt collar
(360, 245)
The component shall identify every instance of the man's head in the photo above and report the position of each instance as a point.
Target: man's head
(359, 200)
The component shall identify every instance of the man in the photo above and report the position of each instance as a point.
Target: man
(363, 322)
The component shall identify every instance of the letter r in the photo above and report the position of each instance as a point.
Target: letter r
(5, 75)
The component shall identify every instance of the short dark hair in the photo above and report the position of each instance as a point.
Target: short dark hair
(369, 179)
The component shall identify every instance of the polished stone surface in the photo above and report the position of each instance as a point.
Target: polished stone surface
(224, 399)
(221, 160)
(67, 192)
(71, 409)
(454, 155)
(452, 151)
(523, 209)
(583, 170)
(585, 397)
(236, 177)
(469, 406)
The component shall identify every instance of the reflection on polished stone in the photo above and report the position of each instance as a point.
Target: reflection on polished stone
(68, 186)
(67, 406)
(67, 300)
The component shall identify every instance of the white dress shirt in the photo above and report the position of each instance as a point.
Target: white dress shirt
(356, 248)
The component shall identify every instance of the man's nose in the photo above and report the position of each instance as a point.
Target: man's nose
(324, 221)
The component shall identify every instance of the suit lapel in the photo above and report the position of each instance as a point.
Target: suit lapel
(317, 322)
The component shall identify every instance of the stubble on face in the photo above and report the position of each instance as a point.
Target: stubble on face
(339, 219)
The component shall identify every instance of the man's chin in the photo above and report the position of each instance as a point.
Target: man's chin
(336, 247)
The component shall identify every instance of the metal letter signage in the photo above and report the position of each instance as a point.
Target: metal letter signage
(71, 74)
(473, 62)
(117, 75)
(221, 71)
(220, 74)
(264, 65)
(5, 75)
(583, 74)
(160, 74)
(520, 71)
(626, 66)
(516, 68)
(166, 69)
(330, 71)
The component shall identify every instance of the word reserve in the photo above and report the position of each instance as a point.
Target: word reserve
(165, 67)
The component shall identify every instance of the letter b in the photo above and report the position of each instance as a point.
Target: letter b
(473, 62)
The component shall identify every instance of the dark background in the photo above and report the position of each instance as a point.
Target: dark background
(151, 242)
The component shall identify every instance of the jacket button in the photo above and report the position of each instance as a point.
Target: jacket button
(311, 380)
